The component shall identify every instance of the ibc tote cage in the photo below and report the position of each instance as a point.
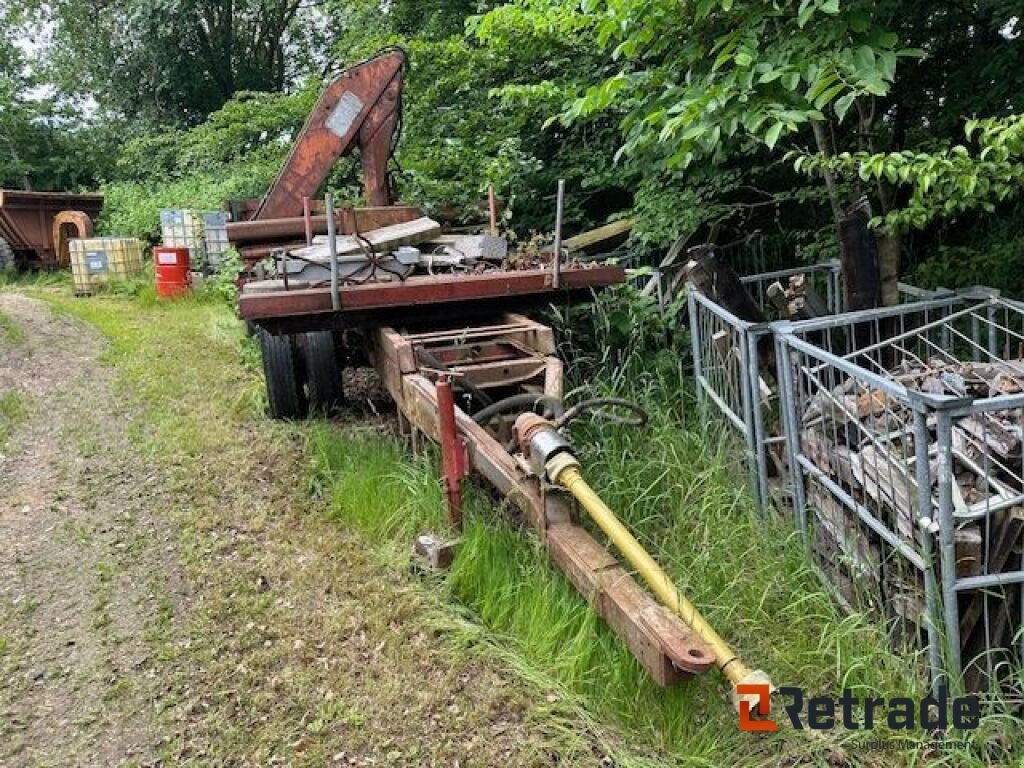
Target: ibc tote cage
(904, 428)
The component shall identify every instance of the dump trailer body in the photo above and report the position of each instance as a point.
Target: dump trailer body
(27, 223)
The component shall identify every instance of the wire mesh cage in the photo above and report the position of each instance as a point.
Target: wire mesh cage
(734, 362)
(730, 354)
(904, 427)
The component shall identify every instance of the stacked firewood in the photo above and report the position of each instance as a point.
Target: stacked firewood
(863, 440)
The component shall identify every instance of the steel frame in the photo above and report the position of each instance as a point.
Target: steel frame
(855, 355)
(660, 641)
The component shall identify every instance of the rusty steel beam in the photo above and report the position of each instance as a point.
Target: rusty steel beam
(294, 227)
(660, 641)
(424, 290)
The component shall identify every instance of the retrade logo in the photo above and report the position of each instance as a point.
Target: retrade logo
(822, 713)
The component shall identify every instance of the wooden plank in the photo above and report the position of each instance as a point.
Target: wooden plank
(598, 235)
(1008, 526)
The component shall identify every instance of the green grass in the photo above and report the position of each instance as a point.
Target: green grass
(10, 331)
(682, 490)
(13, 411)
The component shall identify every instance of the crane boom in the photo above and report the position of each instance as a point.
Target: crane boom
(360, 108)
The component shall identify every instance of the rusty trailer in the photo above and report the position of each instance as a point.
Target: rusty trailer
(35, 226)
(469, 372)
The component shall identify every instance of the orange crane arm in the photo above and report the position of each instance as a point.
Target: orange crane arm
(359, 108)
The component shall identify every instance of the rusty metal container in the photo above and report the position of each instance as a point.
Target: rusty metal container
(27, 223)
(98, 260)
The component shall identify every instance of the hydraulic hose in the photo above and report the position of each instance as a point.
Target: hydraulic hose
(518, 402)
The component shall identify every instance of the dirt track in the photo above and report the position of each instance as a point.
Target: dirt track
(80, 549)
(145, 620)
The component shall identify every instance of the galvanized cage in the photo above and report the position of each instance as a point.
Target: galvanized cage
(906, 426)
(729, 355)
(733, 366)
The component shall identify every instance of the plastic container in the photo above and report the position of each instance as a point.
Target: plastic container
(215, 237)
(184, 229)
(97, 260)
(173, 271)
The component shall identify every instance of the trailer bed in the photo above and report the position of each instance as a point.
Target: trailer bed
(419, 297)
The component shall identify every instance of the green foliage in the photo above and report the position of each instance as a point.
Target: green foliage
(176, 61)
(132, 209)
(943, 183)
(222, 286)
(252, 129)
(994, 262)
(703, 80)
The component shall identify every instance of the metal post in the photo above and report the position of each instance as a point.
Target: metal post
(760, 448)
(791, 425)
(492, 209)
(924, 509)
(556, 264)
(698, 373)
(307, 219)
(747, 405)
(947, 546)
(332, 249)
(453, 465)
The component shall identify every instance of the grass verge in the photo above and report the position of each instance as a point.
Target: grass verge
(13, 411)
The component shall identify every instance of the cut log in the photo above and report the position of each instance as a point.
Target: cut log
(717, 280)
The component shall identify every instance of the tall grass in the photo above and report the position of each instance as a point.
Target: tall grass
(679, 485)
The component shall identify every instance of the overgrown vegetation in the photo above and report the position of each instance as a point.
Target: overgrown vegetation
(13, 411)
(674, 483)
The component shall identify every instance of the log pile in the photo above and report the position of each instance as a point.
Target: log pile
(863, 440)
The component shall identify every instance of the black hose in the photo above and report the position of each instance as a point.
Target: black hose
(518, 402)
(593, 405)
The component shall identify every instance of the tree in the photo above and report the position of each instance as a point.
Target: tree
(734, 84)
(176, 61)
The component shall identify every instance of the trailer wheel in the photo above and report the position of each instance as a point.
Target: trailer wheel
(283, 374)
(320, 357)
(6, 256)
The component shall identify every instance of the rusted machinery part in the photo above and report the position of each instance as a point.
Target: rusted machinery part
(293, 228)
(66, 225)
(668, 649)
(360, 108)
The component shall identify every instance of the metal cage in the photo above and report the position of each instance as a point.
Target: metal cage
(905, 428)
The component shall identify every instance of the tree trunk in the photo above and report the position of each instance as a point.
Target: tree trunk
(889, 247)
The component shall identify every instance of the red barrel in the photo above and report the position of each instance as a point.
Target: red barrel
(172, 272)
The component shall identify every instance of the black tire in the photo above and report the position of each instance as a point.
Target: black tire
(320, 359)
(283, 374)
(6, 256)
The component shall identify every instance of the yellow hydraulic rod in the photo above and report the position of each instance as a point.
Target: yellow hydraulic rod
(564, 471)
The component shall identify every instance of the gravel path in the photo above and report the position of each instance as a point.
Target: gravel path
(173, 608)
